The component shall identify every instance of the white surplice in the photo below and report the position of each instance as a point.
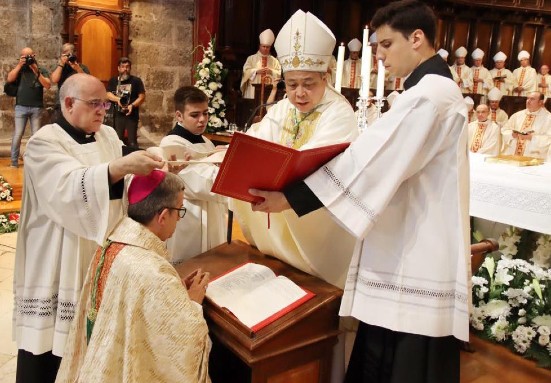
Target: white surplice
(541, 137)
(254, 63)
(491, 137)
(314, 243)
(66, 213)
(403, 189)
(204, 225)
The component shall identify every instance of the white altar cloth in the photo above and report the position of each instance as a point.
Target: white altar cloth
(518, 196)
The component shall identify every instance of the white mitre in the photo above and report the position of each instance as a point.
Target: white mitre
(266, 37)
(468, 100)
(477, 54)
(354, 45)
(494, 94)
(500, 56)
(523, 55)
(297, 51)
(461, 52)
(373, 38)
(443, 53)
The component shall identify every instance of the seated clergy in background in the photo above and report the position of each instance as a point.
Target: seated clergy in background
(470, 108)
(332, 70)
(260, 65)
(528, 132)
(462, 72)
(497, 114)
(484, 134)
(205, 224)
(312, 115)
(351, 72)
(136, 320)
(502, 77)
(524, 77)
(480, 76)
(544, 80)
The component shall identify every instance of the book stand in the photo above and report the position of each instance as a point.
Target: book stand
(295, 348)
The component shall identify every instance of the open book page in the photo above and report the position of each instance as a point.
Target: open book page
(255, 295)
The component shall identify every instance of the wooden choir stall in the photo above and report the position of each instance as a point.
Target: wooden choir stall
(296, 348)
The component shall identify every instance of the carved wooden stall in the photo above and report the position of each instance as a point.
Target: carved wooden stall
(99, 30)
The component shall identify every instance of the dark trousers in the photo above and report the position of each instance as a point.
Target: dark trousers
(40, 368)
(123, 123)
(381, 355)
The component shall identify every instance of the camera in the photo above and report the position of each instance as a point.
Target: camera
(72, 58)
(124, 100)
(29, 60)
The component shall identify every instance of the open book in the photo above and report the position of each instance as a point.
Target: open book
(251, 162)
(255, 295)
(180, 154)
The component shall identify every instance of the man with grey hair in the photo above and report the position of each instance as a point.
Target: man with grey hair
(72, 197)
(67, 66)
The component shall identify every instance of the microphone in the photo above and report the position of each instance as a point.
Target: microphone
(247, 124)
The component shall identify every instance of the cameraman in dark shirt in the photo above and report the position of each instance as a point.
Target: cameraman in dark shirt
(31, 80)
(67, 66)
(128, 93)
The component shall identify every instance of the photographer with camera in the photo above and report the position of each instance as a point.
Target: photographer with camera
(67, 66)
(128, 93)
(30, 80)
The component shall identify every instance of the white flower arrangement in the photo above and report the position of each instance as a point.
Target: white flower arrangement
(512, 297)
(209, 75)
(5, 190)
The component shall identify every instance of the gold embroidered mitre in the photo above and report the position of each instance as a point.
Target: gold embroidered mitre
(304, 43)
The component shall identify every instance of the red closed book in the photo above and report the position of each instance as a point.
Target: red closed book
(253, 163)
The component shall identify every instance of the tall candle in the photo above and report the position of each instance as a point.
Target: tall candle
(366, 65)
(340, 66)
(380, 79)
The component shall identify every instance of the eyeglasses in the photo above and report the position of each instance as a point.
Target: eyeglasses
(95, 103)
(181, 211)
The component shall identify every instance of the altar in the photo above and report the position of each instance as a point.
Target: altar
(512, 195)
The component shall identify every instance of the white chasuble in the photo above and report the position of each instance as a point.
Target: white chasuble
(254, 63)
(147, 329)
(315, 243)
(402, 188)
(540, 126)
(66, 214)
(526, 77)
(503, 80)
(204, 225)
(486, 136)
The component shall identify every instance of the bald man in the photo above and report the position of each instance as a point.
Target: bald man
(484, 134)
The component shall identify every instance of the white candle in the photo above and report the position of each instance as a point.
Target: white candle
(340, 66)
(380, 79)
(366, 65)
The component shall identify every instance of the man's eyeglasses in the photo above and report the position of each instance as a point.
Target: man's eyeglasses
(181, 211)
(95, 103)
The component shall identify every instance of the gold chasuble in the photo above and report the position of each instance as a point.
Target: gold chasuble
(145, 326)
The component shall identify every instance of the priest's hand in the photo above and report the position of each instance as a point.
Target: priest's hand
(196, 284)
(274, 202)
(139, 162)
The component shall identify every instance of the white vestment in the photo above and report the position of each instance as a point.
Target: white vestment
(541, 136)
(254, 63)
(528, 81)
(490, 137)
(147, 329)
(483, 74)
(501, 117)
(315, 244)
(542, 81)
(410, 272)
(465, 80)
(505, 86)
(346, 74)
(204, 225)
(66, 213)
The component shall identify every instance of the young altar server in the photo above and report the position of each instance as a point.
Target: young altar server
(205, 225)
(411, 297)
(137, 321)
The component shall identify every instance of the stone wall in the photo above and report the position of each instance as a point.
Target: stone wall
(161, 51)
